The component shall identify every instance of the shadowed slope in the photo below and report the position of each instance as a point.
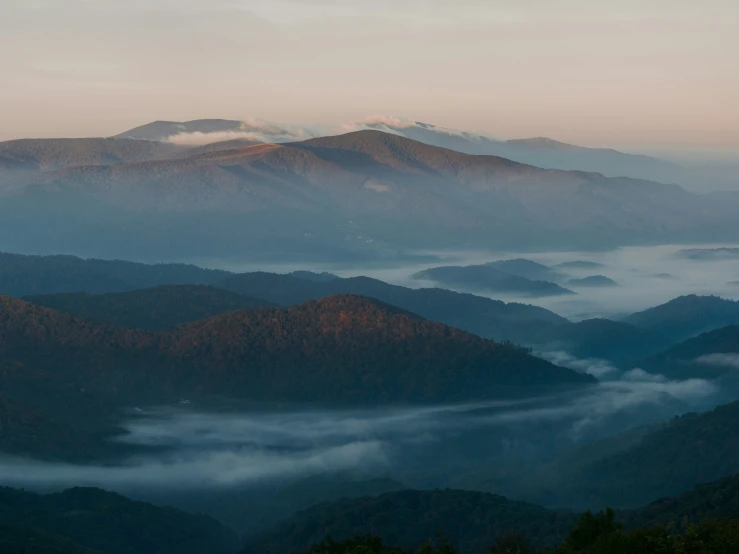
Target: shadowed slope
(337, 350)
(158, 308)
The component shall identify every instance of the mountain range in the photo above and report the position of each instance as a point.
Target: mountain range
(88, 521)
(149, 334)
(363, 194)
(45, 279)
(538, 151)
(163, 296)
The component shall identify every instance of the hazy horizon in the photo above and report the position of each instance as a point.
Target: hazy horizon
(651, 79)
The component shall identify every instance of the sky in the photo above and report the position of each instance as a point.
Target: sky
(634, 73)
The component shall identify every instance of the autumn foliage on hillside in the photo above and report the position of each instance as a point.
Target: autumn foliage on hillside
(339, 349)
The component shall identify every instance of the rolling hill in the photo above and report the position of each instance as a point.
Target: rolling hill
(339, 350)
(372, 352)
(489, 278)
(109, 523)
(615, 341)
(714, 500)
(470, 520)
(687, 316)
(473, 521)
(633, 469)
(709, 355)
(527, 269)
(23, 430)
(593, 281)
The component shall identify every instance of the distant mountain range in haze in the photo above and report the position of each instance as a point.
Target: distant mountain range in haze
(366, 194)
(208, 131)
(538, 151)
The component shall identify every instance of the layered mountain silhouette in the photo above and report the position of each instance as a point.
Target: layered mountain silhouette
(367, 193)
(39, 278)
(476, 314)
(32, 275)
(489, 278)
(538, 151)
(158, 308)
(593, 281)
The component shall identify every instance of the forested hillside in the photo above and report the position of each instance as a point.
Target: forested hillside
(108, 523)
(158, 308)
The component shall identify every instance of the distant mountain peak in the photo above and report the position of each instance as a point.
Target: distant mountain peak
(542, 142)
(200, 132)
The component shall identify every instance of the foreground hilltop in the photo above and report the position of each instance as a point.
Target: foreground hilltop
(87, 520)
(473, 521)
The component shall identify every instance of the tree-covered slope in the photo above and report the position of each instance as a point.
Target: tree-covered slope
(156, 308)
(31, 275)
(353, 348)
(112, 524)
(666, 461)
(339, 349)
(687, 316)
(475, 522)
(20, 539)
(470, 520)
(709, 355)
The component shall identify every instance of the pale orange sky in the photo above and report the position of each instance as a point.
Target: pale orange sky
(648, 73)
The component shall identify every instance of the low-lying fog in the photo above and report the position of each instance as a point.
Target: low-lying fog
(191, 447)
(646, 276)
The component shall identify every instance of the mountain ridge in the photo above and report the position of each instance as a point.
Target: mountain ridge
(367, 192)
(338, 350)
